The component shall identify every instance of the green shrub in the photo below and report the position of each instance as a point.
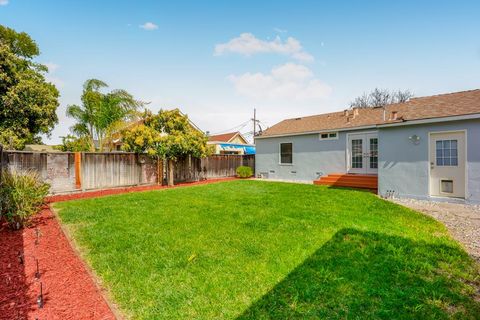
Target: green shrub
(75, 144)
(22, 195)
(244, 172)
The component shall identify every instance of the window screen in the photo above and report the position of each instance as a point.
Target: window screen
(446, 153)
(286, 156)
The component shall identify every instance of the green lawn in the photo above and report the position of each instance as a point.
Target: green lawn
(264, 250)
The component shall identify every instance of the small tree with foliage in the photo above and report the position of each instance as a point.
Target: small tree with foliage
(167, 135)
(101, 114)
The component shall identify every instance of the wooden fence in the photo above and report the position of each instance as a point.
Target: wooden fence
(69, 172)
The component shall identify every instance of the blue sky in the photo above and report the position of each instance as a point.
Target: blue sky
(216, 60)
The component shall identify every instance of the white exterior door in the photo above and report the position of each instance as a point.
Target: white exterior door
(363, 153)
(447, 164)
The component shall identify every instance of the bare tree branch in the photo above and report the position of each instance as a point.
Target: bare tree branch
(380, 98)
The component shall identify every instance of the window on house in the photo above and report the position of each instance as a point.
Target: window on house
(446, 153)
(286, 153)
(328, 135)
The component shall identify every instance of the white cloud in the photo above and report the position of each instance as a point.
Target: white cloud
(247, 44)
(149, 26)
(3, 2)
(290, 81)
(52, 67)
(51, 77)
(278, 30)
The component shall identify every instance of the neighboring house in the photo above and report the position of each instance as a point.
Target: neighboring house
(231, 143)
(428, 147)
(40, 148)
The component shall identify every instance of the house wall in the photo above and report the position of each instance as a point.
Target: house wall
(404, 166)
(239, 140)
(312, 157)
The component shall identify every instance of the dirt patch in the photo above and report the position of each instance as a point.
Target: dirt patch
(462, 220)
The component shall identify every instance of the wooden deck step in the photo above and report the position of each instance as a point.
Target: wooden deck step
(349, 180)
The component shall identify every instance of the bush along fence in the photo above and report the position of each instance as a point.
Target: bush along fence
(70, 172)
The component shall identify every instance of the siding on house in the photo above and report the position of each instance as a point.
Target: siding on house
(404, 166)
(312, 157)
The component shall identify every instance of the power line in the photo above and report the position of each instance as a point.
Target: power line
(236, 128)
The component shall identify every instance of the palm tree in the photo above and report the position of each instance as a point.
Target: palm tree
(102, 114)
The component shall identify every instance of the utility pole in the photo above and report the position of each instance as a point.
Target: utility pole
(254, 122)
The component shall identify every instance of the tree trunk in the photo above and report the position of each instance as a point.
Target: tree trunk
(170, 172)
(159, 171)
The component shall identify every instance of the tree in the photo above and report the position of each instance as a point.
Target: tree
(167, 135)
(381, 98)
(75, 144)
(102, 114)
(28, 103)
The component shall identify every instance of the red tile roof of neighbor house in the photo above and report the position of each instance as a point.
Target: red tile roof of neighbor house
(225, 137)
(438, 106)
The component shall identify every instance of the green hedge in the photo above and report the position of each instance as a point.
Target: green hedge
(244, 172)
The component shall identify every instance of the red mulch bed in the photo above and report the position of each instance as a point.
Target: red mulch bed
(69, 292)
(107, 192)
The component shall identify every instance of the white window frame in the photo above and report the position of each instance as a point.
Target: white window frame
(328, 138)
(280, 154)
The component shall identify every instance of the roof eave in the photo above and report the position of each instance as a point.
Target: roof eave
(431, 120)
(383, 125)
(316, 132)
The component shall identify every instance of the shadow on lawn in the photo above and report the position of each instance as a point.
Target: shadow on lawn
(369, 275)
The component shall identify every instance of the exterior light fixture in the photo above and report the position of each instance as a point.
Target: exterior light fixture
(414, 139)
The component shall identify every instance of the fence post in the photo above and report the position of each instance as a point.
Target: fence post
(78, 170)
(138, 165)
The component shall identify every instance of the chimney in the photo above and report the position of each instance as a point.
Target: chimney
(355, 112)
(346, 113)
(394, 116)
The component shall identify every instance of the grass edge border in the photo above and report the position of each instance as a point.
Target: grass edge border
(98, 283)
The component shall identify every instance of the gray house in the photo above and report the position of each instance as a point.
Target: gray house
(428, 147)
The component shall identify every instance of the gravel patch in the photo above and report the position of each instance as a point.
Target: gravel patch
(462, 220)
